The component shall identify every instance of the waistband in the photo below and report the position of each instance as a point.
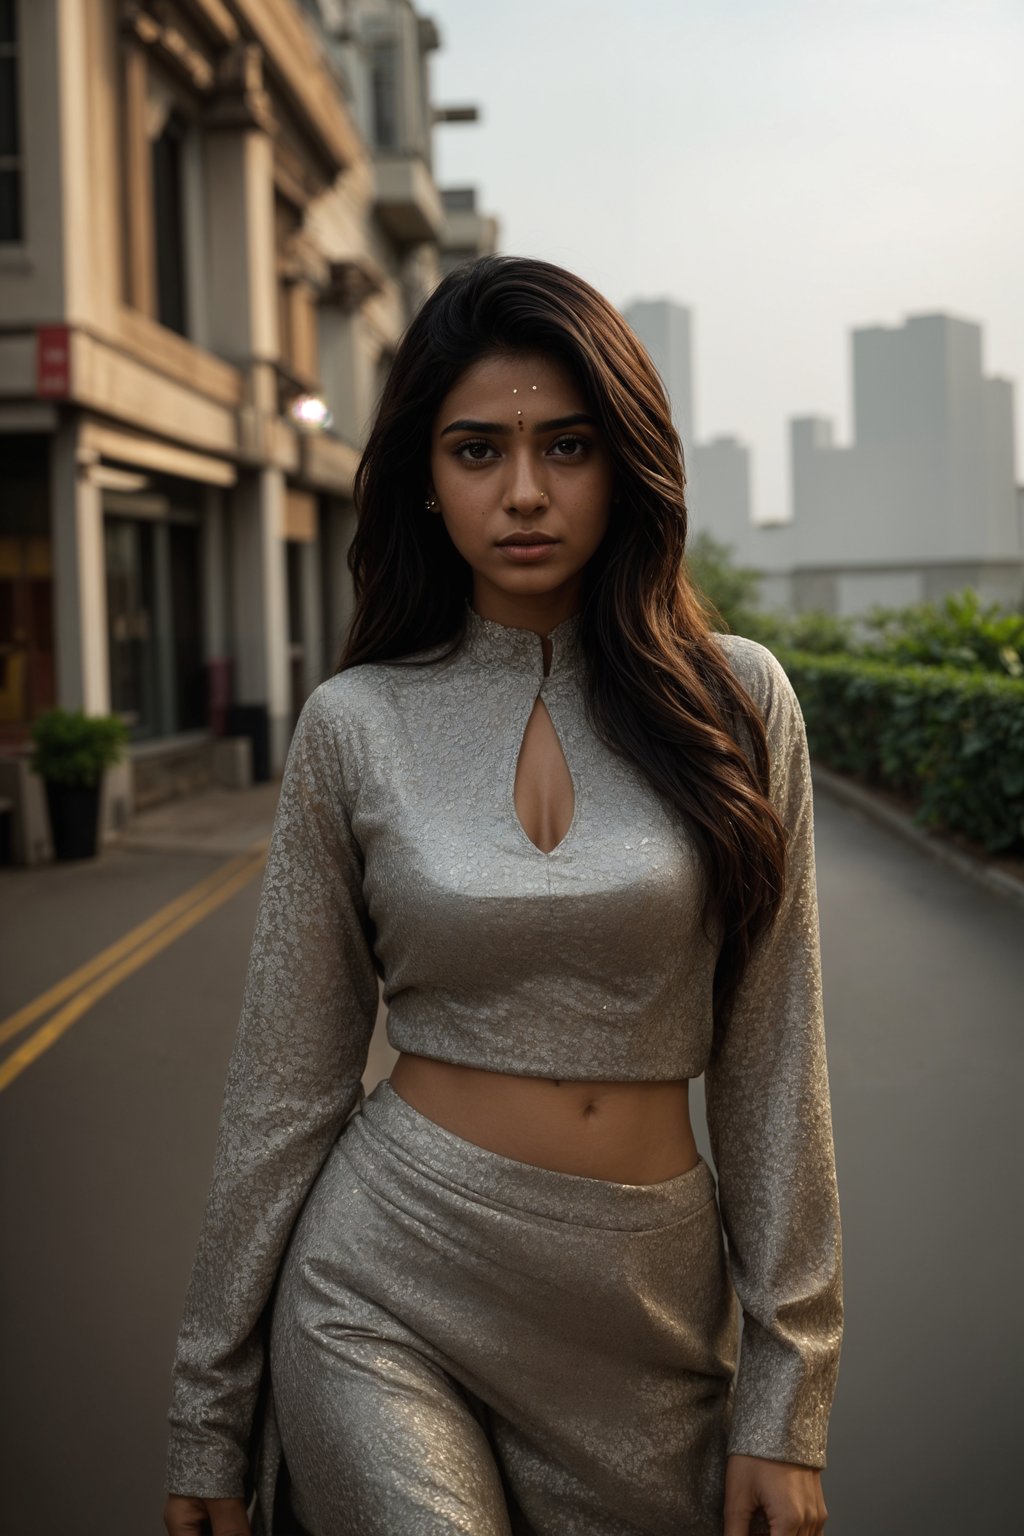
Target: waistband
(421, 1142)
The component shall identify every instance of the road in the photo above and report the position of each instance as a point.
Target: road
(107, 1134)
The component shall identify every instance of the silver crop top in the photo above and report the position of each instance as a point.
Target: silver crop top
(396, 852)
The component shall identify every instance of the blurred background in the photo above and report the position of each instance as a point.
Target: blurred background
(216, 219)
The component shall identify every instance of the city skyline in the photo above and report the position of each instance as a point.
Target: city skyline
(842, 167)
(920, 502)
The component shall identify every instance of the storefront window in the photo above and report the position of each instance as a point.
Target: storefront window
(27, 664)
(131, 623)
(154, 607)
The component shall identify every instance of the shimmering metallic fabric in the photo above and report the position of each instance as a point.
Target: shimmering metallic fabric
(463, 1342)
(396, 853)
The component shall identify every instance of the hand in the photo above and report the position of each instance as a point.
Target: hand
(205, 1517)
(778, 1498)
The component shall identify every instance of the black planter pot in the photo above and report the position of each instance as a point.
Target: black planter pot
(252, 720)
(74, 818)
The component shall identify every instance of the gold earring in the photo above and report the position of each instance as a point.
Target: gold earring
(431, 504)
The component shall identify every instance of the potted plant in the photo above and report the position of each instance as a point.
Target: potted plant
(71, 751)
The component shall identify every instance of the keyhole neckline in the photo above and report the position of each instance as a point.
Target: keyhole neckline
(559, 847)
(508, 645)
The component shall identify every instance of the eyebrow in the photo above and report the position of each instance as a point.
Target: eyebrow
(495, 428)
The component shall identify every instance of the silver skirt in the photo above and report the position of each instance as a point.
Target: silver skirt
(462, 1342)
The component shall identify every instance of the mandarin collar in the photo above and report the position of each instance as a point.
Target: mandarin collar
(508, 645)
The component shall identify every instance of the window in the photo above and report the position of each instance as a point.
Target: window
(384, 94)
(10, 128)
(27, 662)
(154, 607)
(298, 357)
(131, 592)
(169, 223)
(164, 181)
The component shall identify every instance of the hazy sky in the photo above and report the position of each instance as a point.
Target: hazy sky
(788, 169)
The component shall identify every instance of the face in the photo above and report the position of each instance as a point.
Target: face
(515, 449)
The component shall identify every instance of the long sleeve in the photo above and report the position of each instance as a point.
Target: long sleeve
(770, 1127)
(308, 1009)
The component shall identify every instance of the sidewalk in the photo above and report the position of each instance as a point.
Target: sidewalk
(215, 821)
(1003, 874)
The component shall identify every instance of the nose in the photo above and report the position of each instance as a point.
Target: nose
(523, 489)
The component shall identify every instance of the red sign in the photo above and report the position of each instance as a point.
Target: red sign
(53, 362)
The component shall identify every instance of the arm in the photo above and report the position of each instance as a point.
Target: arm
(770, 1127)
(308, 1011)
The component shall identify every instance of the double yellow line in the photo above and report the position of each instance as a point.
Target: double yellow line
(100, 975)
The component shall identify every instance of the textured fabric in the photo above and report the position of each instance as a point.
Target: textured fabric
(462, 1342)
(396, 852)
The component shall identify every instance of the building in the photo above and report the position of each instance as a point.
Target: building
(467, 233)
(209, 209)
(718, 477)
(666, 330)
(924, 500)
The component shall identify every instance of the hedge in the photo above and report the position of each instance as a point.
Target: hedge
(952, 741)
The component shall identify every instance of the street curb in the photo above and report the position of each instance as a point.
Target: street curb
(851, 793)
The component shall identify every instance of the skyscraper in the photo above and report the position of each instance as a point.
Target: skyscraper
(666, 330)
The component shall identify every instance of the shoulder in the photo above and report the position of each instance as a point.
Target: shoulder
(761, 673)
(365, 692)
(356, 706)
(347, 694)
(349, 706)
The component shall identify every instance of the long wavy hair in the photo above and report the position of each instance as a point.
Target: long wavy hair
(659, 690)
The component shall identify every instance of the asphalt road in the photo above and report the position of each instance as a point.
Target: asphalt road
(107, 1135)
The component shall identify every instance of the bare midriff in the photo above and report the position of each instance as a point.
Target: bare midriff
(632, 1133)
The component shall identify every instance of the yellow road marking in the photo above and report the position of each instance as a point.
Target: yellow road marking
(56, 994)
(104, 971)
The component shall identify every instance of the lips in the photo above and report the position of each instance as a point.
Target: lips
(527, 538)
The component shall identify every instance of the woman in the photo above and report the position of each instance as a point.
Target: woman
(570, 828)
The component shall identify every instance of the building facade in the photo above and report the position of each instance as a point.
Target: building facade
(718, 479)
(924, 500)
(209, 210)
(666, 330)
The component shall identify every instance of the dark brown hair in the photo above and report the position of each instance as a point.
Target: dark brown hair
(660, 691)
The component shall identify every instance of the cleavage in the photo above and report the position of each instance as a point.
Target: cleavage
(543, 794)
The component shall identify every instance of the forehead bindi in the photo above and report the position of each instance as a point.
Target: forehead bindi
(515, 392)
(519, 410)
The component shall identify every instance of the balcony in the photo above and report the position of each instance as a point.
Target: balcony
(466, 231)
(408, 204)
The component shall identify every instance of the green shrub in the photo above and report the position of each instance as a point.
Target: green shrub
(74, 748)
(951, 740)
(817, 632)
(730, 591)
(959, 632)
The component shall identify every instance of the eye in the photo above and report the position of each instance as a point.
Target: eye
(577, 447)
(472, 457)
